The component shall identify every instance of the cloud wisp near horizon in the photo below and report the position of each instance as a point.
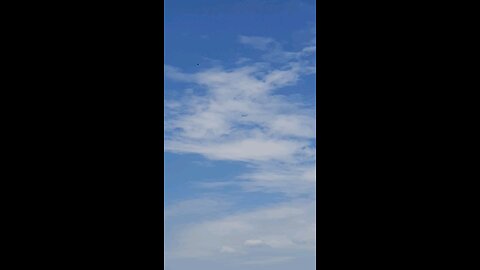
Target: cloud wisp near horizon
(241, 114)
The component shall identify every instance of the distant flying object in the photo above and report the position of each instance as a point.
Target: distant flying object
(244, 115)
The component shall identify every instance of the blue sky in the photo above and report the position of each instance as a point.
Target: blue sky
(240, 164)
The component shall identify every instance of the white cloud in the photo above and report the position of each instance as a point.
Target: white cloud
(310, 174)
(242, 60)
(291, 179)
(240, 116)
(174, 73)
(310, 49)
(253, 242)
(281, 228)
(294, 125)
(261, 43)
(255, 149)
(275, 52)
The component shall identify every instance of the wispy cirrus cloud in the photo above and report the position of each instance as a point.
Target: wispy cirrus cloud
(261, 43)
(242, 118)
(238, 114)
(274, 51)
(288, 227)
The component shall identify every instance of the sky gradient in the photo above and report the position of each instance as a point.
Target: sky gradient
(240, 133)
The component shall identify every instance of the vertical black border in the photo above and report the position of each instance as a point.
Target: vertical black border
(104, 138)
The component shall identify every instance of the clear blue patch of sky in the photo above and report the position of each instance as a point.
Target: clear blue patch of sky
(197, 29)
